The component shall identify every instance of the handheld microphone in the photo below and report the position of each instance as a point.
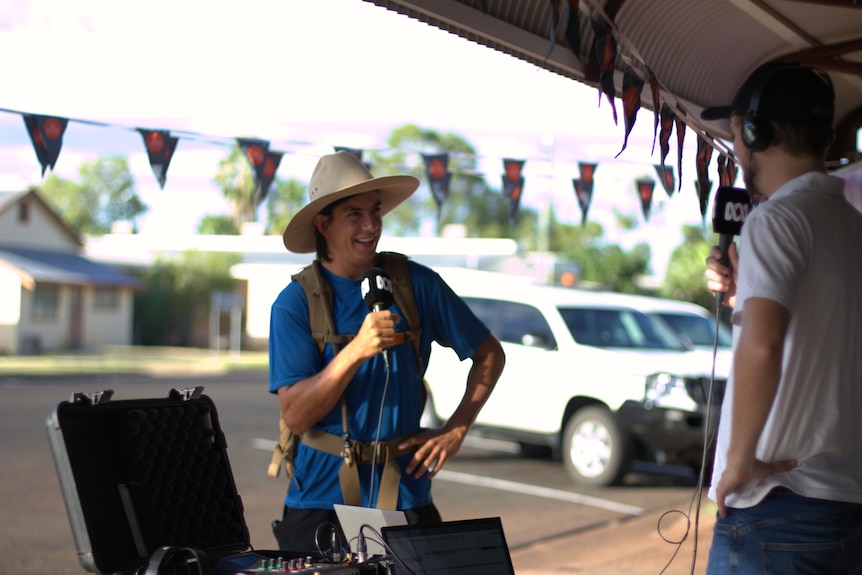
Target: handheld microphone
(376, 289)
(731, 207)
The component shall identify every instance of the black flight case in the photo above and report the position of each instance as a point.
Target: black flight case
(148, 488)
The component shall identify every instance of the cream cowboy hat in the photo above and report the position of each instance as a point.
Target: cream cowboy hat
(337, 176)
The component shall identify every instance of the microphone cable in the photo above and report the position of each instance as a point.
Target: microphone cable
(377, 436)
(708, 438)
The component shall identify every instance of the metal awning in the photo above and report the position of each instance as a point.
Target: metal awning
(36, 266)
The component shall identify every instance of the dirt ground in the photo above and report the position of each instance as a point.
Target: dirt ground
(632, 547)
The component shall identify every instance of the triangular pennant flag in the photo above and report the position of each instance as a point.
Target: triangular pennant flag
(255, 151)
(632, 86)
(726, 171)
(656, 94)
(513, 185)
(645, 190)
(160, 146)
(46, 133)
(573, 28)
(703, 189)
(680, 139)
(584, 194)
(704, 155)
(439, 176)
(665, 176)
(606, 55)
(587, 173)
(270, 165)
(667, 118)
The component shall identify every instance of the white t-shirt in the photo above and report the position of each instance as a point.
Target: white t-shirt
(803, 249)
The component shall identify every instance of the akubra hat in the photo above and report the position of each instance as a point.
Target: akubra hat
(338, 176)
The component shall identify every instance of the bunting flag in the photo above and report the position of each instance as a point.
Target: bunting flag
(160, 146)
(680, 139)
(632, 86)
(656, 95)
(726, 171)
(437, 170)
(513, 186)
(255, 151)
(270, 165)
(46, 133)
(703, 189)
(573, 28)
(606, 55)
(704, 155)
(667, 119)
(584, 196)
(665, 176)
(645, 190)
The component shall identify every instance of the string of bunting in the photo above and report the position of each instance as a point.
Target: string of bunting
(46, 134)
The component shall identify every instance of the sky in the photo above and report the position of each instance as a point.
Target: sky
(308, 75)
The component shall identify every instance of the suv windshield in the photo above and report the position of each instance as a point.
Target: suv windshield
(621, 328)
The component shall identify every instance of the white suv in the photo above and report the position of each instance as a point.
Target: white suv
(594, 379)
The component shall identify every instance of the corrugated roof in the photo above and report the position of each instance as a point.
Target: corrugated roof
(63, 268)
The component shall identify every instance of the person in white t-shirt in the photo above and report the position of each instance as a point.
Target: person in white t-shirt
(788, 467)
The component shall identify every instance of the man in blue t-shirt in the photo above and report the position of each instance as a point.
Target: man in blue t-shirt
(342, 223)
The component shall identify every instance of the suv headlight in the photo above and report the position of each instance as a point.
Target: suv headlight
(668, 391)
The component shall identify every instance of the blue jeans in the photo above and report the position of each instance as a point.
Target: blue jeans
(787, 534)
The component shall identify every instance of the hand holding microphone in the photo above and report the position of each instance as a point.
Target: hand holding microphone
(376, 289)
(731, 207)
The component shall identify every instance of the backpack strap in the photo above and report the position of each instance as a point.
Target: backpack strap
(396, 266)
(319, 296)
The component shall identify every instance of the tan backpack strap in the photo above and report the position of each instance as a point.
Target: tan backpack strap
(396, 265)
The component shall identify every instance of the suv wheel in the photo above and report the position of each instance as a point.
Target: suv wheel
(596, 452)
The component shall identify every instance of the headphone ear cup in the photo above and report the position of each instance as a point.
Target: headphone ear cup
(755, 134)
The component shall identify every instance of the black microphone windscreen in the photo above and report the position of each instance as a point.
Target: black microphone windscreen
(376, 288)
(730, 208)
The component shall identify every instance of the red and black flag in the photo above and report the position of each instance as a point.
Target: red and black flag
(270, 165)
(439, 176)
(656, 95)
(665, 176)
(704, 155)
(632, 86)
(726, 171)
(680, 139)
(606, 55)
(703, 189)
(255, 151)
(667, 119)
(46, 133)
(160, 147)
(513, 185)
(584, 194)
(645, 190)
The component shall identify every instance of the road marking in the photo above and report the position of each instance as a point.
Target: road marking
(536, 491)
(510, 486)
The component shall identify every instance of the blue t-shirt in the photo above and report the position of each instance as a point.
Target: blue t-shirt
(294, 356)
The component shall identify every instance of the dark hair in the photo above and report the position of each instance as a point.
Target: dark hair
(320, 246)
(803, 139)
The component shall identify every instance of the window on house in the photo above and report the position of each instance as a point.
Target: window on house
(46, 302)
(24, 212)
(106, 298)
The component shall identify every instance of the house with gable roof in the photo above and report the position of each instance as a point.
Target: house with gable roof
(51, 296)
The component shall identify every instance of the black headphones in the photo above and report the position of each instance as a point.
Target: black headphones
(756, 133)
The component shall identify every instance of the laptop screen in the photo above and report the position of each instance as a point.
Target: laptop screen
(467, 547)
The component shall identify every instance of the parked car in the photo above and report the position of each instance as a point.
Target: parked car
(587, 375)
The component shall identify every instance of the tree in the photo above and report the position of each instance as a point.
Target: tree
(174, 309)
(684, 278)
(217, 224)
(237, 184)
(105, 194)
(282, 203)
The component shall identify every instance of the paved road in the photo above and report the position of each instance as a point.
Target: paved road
(541, 510)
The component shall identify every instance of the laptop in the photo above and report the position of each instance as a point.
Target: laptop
(466, 547)
(353, 517)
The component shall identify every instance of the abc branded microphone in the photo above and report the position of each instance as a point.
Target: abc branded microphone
(730, 209)
(376, 289)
